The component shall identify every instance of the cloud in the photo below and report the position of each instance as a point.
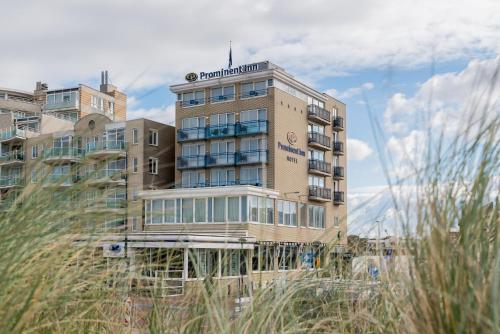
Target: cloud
(351, 92)
(163, 114)
(155, 43)
(358, 150)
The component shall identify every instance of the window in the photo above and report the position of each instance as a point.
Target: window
(190, 150)
(135, 165)
(153, 166)
(193, 122)
(287, 213)
(222, 152)
(315, 128)
(222, 119)
(219, 209)
(287, 257)
(203, 263)
(251, 175)
(193, 179)
(316, 155)
(260, 210)
(233, 209)
(135, 136)
(169, 214)
(192, 99)
(111, 107)
(222, 94)
(233, 262)
(34, 176)
(34, 151)
(116, 165)
(253, 89)
(97, 103)
(187, 210)
(303, 214)
(153, 137)
(200, 215)
(134, 222)
(266, 257)
(253, 115)
(222, 177)
(336, 222)
(318, 181)
(316, 216)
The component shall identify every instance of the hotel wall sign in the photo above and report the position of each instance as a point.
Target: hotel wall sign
(224, 72)
(292, 137)
(191, 77)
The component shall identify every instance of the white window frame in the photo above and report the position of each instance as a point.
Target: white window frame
(152, 161)
(34, 151)
(153, 134)
(223, 94)
(135, 136)
(135, 165)
(253, 89)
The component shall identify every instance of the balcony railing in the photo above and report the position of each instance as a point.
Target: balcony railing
(319, 140)
(11, 181)
(69, 104)
(107, 175)
(222, 98)
(338, 123)
(219, 131)
(106, 146)
(12, 133)
(250, 182)
(338, 147)
(251, 157)
(253, 93)
(220, 159)
(320, 193)
(251, 127)
(318, 166)
(193, 102)
(63, 153)
(191, 134)
(318, 114)
(338, 197)
(60, 180)
(192, 161)
(14, 156)
(338, 172)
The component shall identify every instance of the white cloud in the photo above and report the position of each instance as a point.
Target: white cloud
(163, 114)
(159, 41)
(358, 149)
(350, 92)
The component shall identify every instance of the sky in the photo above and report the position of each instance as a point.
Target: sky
(393, 63)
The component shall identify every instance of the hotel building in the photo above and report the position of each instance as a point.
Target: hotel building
(260, 182)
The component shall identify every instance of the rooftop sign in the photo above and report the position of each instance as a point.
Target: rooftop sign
(247, 68)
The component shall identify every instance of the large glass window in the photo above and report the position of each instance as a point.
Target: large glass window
(234, 262)
(169, 215)
(201, 210)
(187, 210)
(222, 177)
(253, 89)
(219, 209)
(316, 216)
(157, 211)
(233, 209)
(193, 122)
(221, 94)
(266, 258)
(203, 263)
(287, 257)
(315, 128)
(193, 98)
(253, 115)
(193, 179)
(251, 175)
(318, 181)
(287, 213)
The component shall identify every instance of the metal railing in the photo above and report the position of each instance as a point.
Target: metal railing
(12, 156)
(338, 147)
(115, 174)
(251, 157)
(338, 122)
(338, 197)
(192, 161)
(220, 159)
(338, 172)
(317, 112)
(222, 98)
(193, 102)
(251, 127)
(319, 165)
(223, 130)
(12, 132)
(320, 192)
(62, 152)
(319, 138)
(191, 134)
(254, 93)
(11, 181)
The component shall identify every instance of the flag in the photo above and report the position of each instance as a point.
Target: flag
(230, 57)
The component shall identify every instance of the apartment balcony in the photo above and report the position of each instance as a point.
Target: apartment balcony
(319, 141)
(107, 205)
(61, 105)
(320, 194)
(12, 134)
(7, 182)
(222, 98)
(253, 93)
(191, 162)
(193, 102)
(338, 173)
(117, 177)
(338, 148)
(220, 159)
(63, 155)
(338, 197)
(60, 180)
(106, 149)
(220, 131)
(252, 157)
(191, 134)
(338, 123)
(251, 128)
(318, 114)
(320, 167)
(12, 158)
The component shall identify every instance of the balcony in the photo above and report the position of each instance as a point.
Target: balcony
(253, 93)
(193, 102)
(220, 159)
(338, 123)
(65, 104)
(320, 194)
(251, 157)
(338, 173)
(106, 149)
(338, 197)
(12, 134)
(60, 180)
(12, 158)
(318, 114)
(222, 98)
(338, 148)
(114, 205)
(107, 177)
(190, 162)
(220, 131)
(184, 135)
(319, 141)
(320, 167)
(251, 128)
(62, 155)
(7, 182)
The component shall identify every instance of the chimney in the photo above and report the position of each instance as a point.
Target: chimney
(106, 87)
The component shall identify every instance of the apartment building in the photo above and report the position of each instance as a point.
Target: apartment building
(260, 181)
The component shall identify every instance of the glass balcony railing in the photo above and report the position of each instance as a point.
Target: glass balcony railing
(14, 156)
(191, 134)
(12, 133)
(222, 98)
(193, 161)
(108, 175)
(251, 127)
(338, 197)
(338, 123)
(320, 193)
(59, 180)
(251, 157)
(338, 147)
(11, 181)
(67, 104)
(338, 172)
(193, 102)
(319, 140)
(107, 203)
(253, 93)
(56, 153)
(108, 145)
(318, 114)
(320, 166)
(220, 159)
(218, 131)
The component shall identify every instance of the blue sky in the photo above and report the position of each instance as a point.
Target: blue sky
(389, 57)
